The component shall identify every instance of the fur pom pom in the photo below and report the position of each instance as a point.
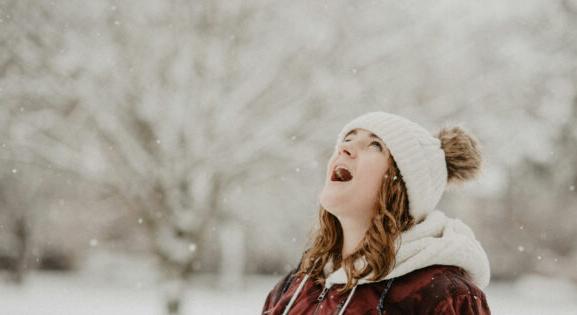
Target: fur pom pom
(462, 154)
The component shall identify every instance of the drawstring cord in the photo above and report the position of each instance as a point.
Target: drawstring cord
(299, 288)
(348, 300)
(294, 297)
(380, 307)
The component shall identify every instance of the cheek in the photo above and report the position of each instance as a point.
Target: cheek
(371, 177)
(373, 169)
(368, 187)
(372, 184)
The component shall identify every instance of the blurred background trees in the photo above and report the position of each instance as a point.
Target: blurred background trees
(197, 132)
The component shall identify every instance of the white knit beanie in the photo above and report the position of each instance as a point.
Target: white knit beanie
(418, 154)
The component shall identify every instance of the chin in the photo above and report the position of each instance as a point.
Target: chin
(333, 203)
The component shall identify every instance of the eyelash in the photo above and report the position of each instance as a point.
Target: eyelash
(374, 142)
(380, 147)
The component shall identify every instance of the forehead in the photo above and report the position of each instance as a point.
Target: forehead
(360, 131)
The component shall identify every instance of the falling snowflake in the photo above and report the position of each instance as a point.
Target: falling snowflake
(520, 248)
(192, 247)
(14, 171)
(572, 187)
(93, 242)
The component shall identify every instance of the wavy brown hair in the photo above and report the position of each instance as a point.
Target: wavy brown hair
(391, 218)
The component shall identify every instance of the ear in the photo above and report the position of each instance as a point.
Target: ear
(462, 154)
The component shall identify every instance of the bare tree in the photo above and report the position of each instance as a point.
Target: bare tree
(168, 119)
(25, 83)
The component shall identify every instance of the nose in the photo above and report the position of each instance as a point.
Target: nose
(347, 148)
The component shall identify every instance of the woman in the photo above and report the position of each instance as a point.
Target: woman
(381, 246)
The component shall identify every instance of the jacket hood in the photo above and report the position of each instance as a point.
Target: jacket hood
(437, 240)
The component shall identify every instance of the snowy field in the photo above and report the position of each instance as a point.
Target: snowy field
(83, 294)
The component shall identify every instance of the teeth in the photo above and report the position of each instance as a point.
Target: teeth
(342, 174)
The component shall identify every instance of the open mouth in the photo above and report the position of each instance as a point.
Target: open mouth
(341, 174)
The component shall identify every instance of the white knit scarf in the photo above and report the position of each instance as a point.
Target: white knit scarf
(437, 240)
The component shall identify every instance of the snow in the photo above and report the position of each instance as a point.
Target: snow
(257, 118)
(533, 294)
(84, 293)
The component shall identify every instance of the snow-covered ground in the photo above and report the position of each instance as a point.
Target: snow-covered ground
(83, 294)
(126, 285)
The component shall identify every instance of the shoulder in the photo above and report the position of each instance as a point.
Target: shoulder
(439, 289)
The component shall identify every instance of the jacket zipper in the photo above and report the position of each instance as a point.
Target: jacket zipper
(321, 298)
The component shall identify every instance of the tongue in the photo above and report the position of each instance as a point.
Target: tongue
(344, 175)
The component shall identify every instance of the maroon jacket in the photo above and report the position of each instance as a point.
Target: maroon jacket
(436, 289)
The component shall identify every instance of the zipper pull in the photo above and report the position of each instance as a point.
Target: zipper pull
(323, 294)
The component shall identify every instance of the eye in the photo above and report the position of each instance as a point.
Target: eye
(378, 144)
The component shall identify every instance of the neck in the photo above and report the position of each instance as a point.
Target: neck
(353, 233)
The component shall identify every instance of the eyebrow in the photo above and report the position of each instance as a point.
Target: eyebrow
(354, 132)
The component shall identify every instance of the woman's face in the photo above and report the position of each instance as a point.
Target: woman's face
(366, 157)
